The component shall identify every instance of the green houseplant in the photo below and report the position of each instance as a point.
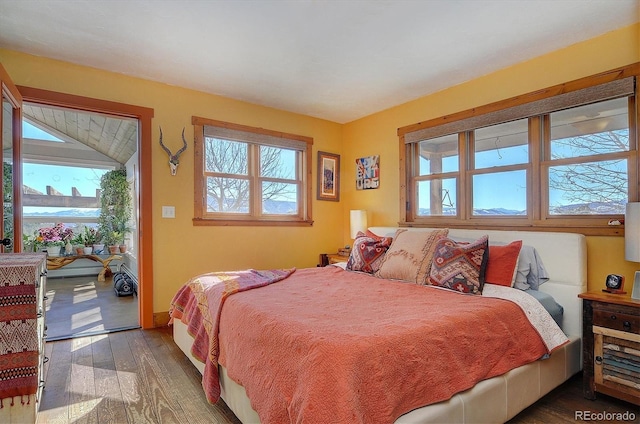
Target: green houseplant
(115, 206)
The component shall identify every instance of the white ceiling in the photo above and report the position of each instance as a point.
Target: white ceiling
(336, 60)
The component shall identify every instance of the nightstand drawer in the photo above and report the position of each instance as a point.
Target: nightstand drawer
(617, 321)
(616, 358)
(611, 346)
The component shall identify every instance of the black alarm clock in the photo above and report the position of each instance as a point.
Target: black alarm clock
(614, 284)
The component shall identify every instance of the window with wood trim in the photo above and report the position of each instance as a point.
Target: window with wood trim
(250, 176)
(555, 161)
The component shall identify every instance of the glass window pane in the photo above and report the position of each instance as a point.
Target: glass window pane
(226, 156)
(588, 188)
(279, 198)
(227, 195)
(503, 144)
(590, 130)
(437, 197)
(277, 163)
(64, 179)
(500, 193)
(438, 155)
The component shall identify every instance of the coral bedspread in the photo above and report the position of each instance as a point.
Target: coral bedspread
(199, 304)
(327, 345)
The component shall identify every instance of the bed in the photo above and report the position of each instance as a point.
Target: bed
(499, 397)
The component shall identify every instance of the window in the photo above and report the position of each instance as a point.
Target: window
(500, 168)
(250, 176)
(437, 178)
(564, 161)
(589, 159)
(59, 188)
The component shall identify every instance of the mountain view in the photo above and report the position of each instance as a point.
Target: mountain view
(592, 208)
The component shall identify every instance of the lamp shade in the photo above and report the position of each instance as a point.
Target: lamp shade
(358, 221)
(632, 232)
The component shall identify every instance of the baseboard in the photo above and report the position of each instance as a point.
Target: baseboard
(160, 319)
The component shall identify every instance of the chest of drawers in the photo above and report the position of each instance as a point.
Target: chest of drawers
(22, 334)
(611, 346)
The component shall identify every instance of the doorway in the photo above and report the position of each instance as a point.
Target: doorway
(141, 168)
(69, 158)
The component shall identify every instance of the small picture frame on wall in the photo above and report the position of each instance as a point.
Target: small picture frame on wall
(328, 176)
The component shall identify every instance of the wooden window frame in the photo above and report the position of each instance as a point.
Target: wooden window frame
(202, 217)
(537, 218)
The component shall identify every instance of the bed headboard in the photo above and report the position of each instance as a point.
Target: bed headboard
(564, 256)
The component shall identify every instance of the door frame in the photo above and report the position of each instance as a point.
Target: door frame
(8, 89)
(145, 206)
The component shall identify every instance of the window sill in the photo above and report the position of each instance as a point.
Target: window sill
(250, 223)
(591, 230)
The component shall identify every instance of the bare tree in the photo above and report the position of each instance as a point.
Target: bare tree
(596, 180)
(231, 193)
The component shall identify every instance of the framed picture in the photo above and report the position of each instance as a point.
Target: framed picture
(328, 176)
(368, 173)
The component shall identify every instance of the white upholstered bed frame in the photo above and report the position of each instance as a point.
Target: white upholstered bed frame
(498, 399)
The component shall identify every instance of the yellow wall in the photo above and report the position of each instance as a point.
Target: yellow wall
(376, 134)
(181, 250)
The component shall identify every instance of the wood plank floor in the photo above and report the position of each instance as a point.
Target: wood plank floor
(82, 306)
(140, 376)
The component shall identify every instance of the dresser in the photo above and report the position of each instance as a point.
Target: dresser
(22, 334)
(611, 346)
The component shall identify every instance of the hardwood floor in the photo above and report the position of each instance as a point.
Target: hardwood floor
(140, 376)
(83, 306)
(566, 403)
(135, 376)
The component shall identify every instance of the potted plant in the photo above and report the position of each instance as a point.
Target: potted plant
(119, 241)
(91, 237)
(111, 239)
(122, 247)
(30, 243)
(78, 243)
(53, 238)
(115, 205)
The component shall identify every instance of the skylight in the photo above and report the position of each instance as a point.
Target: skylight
(29, 131)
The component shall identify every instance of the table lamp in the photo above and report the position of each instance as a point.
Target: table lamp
(358, 222)
(632, 242)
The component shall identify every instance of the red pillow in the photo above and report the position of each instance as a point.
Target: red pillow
(503, 264)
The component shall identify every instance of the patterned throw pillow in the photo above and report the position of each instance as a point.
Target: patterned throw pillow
(368, 252)
(410, 255)
(460, 266)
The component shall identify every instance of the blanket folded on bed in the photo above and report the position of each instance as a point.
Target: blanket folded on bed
(199, 304)
(549, 331)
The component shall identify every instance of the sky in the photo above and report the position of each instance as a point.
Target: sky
(62, 178)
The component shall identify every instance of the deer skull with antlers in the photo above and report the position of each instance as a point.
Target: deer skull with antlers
(174, 159)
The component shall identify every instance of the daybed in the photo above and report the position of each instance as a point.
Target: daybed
(497, 398)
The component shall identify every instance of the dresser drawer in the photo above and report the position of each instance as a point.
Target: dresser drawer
(616, 361)
(616, 320)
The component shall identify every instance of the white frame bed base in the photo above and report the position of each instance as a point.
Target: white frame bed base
(500, 398)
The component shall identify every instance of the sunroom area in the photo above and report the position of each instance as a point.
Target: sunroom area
(67, 158)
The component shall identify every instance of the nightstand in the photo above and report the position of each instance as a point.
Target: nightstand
(332, 258)
(610, 342)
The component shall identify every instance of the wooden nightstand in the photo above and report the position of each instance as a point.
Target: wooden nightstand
(332, 258)
(610, 346)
